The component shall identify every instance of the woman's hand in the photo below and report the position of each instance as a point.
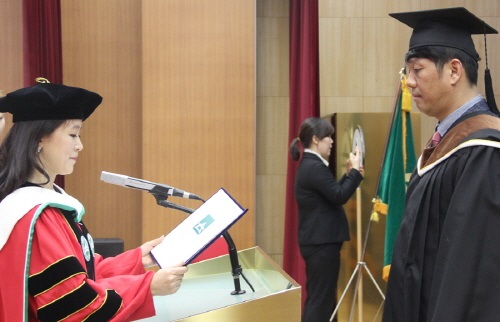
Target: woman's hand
(146, 248)
(354, 161)
(168, 280)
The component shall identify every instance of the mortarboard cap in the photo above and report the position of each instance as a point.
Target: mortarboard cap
(449, 27)
(46, 101)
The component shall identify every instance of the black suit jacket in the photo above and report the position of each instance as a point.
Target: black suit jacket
(320, 197)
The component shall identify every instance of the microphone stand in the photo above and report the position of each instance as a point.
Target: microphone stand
(161, 199)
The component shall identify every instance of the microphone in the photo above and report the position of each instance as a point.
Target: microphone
(154, 188)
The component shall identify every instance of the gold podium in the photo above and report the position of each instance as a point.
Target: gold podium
(205, 294)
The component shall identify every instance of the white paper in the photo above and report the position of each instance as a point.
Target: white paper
(198, 230)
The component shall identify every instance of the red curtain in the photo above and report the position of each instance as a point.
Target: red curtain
(42, 52)
(304, 103)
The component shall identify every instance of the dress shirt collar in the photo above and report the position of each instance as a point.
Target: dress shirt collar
(444, 126)
(319, 156)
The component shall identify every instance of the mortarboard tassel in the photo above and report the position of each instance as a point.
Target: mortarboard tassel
(488, 84)
(490, 95)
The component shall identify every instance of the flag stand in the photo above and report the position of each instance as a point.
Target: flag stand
(358, 289)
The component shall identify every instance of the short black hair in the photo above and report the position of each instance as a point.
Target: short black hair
(440, 55)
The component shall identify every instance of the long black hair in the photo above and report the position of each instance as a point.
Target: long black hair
(18, 153)
(312, 126)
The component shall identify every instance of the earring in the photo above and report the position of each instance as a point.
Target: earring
(39, 149)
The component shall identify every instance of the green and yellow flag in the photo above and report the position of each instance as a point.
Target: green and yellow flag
(398, 163)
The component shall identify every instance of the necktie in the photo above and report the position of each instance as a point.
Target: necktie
(435, 139)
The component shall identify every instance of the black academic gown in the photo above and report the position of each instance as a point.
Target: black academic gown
(446, 260)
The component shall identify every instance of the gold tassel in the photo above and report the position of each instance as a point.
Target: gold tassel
(385, 272)
(405, 107)
(379, 208)
(405, 95)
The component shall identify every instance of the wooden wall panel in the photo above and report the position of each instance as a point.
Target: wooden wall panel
(102, 52)
(11, 51)
(272, 123)
(199, 106)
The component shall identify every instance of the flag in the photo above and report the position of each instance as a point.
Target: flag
(398, 163)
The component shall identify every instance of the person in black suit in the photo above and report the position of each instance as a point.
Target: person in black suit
(322, 226)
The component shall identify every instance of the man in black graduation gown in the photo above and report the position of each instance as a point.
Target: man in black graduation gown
(446, 260)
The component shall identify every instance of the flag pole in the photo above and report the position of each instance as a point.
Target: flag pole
(398, 96)
(360, 252)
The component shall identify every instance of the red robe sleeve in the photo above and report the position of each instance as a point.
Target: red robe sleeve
(60, 288)
(126, 263)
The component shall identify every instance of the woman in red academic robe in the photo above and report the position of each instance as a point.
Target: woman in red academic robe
(48, 268)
